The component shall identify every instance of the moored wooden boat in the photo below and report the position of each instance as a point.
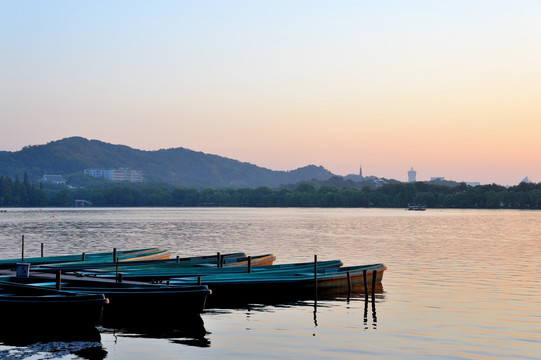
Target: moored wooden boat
(127, 297)
(125, 262)
(253, 285)
(27, 306)
(157, 272)
(260, 260)
(123, 255)
(150, 255)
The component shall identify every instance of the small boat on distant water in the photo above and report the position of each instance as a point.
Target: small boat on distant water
(28, 306)
(414, 207)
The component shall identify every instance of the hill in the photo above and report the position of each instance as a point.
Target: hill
(177, 166)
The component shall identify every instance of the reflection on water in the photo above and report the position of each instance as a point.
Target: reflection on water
(321, 299)
(357, 292)
(461, 283)
(27, 343)
(188, 330)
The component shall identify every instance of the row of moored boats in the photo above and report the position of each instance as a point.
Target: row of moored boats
(86, 289)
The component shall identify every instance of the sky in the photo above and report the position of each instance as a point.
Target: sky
(450, 88)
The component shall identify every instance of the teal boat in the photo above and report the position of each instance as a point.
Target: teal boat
(268, 285)
(160, 272)
(126, 262)
(125, 255)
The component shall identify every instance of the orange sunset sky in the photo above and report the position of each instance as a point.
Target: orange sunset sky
(452, 88)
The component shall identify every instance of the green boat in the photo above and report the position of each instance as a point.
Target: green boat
(126, 262)
(267, 285)
(124, 255)
(160, 272)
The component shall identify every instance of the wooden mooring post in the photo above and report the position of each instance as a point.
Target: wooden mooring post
(374, 276)
(315, 283)
(116, 263)
(365, 284)
(22, 249)
(315, 272)
(58, 280)
(218, 259)
(41, 249)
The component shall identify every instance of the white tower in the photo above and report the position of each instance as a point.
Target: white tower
(412, 174)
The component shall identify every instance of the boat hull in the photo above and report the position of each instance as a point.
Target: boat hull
(128, 298)
(90, 257)
(257, 286)
(29, 307)
(161, 272)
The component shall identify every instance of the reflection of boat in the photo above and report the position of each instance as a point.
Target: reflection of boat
(414, 207)
(28, 306)
(126, 298)
(269, 285)
(188, 331)
(32, 342)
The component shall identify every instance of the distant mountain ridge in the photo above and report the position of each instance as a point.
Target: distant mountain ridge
(176, 166)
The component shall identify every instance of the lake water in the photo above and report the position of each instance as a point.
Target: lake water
(460, 284)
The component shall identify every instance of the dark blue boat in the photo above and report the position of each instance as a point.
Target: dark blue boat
(127, 299)
(23, 306)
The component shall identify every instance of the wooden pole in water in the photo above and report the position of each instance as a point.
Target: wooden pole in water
(315, 283)
(22, 250)
(41, 249)
(83, 256)
(120, 277)
(315, 271)
(58, 280)
(373, 283)
(178, 259)
(199, 280)
(218, 259)
(114, 255)
(365, 284)
(116, 269)
(249, 264)
(349, 282)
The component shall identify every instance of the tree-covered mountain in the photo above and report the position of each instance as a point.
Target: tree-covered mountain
(178, 166)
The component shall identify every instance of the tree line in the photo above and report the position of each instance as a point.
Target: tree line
(21, 193)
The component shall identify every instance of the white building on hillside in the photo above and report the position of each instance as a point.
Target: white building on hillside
(57, 179)
(120, 174)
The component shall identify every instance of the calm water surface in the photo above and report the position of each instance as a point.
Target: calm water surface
(460, 284)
